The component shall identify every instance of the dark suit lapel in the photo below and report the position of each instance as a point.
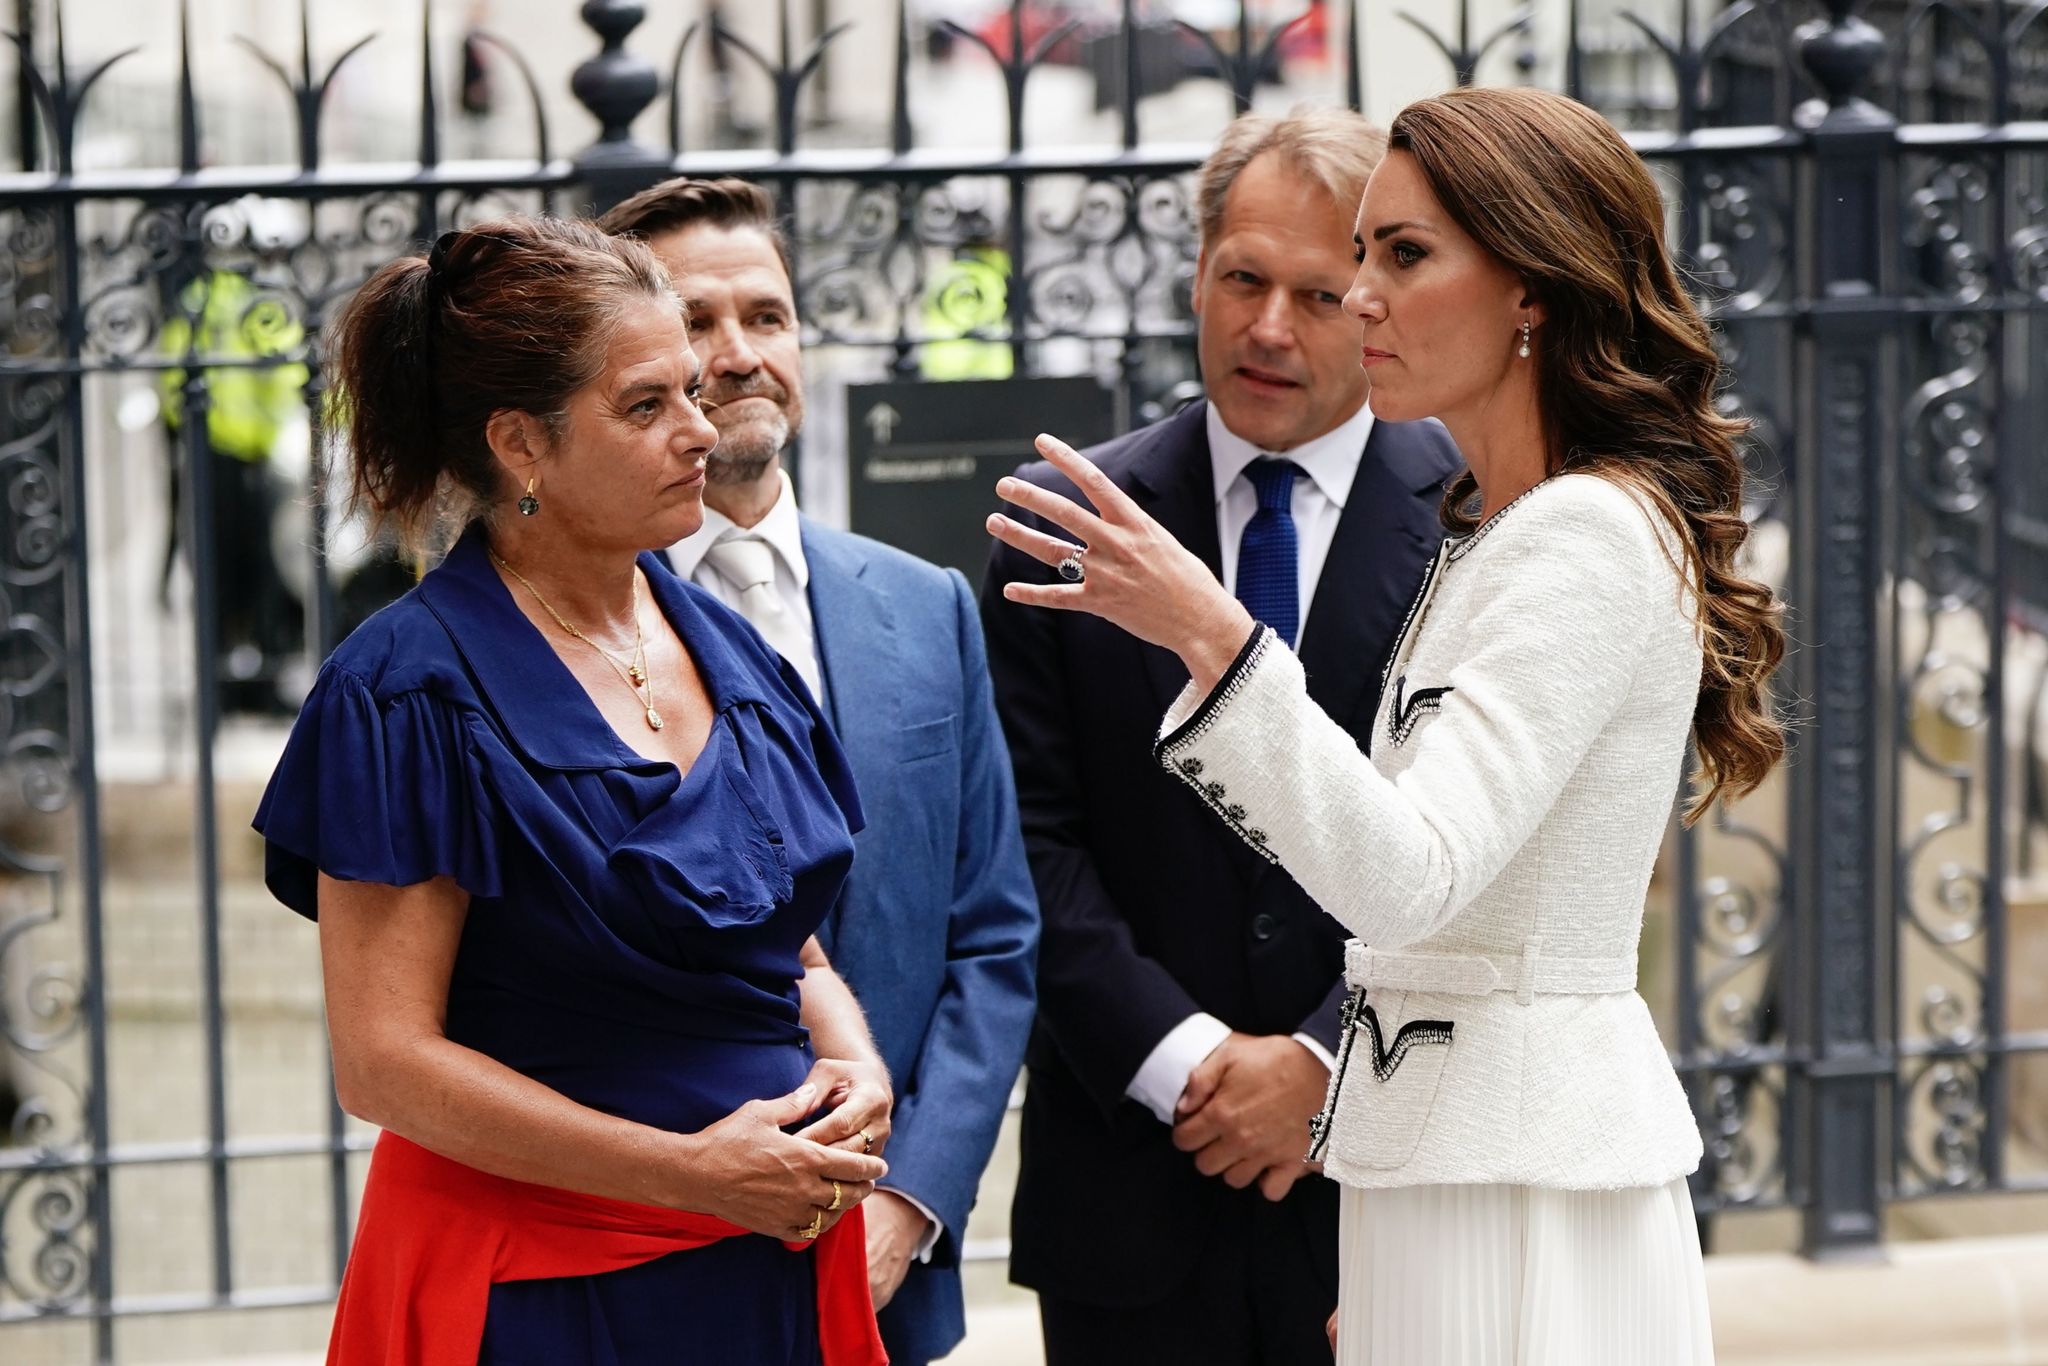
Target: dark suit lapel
(1172, 481)
(1368, 580)
(857, 652)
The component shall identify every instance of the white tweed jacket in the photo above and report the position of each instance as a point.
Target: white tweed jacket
(1492, 851)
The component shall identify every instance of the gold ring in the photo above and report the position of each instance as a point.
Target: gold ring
(833, 1208)
(815, 1227)
(867, 1142)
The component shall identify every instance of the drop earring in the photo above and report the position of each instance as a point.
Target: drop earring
(528, 504)
(1524, 352)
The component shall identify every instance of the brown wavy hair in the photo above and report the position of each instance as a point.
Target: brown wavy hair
(1627, 376)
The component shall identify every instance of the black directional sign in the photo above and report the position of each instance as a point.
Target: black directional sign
(926, 455)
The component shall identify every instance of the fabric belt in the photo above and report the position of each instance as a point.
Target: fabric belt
(1528, 974)
(435, 1235)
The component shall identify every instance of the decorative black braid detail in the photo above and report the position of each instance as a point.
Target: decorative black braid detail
(1226, 688)
(1461, 546)
(1190, 769)
(1385, 1062)
(1408, 623)
(1410, 708)
(1319, 1127)
(1217, 799)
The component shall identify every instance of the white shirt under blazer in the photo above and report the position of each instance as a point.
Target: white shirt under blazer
(1491, 853)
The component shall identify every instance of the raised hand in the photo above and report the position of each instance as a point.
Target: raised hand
(1135, 575)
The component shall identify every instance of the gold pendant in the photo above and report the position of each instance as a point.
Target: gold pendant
(653, 718)
(637, 674)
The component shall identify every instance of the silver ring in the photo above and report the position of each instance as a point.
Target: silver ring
(1071, 569)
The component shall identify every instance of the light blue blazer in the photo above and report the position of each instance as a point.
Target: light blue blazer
(938, 929)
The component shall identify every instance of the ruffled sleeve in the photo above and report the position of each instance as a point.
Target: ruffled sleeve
(388, 791)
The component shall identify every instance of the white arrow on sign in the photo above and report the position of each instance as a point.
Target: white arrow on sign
(882, 420)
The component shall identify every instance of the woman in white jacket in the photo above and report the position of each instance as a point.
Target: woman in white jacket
(1512, 1140)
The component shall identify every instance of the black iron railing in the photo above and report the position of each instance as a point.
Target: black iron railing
(1864, 208)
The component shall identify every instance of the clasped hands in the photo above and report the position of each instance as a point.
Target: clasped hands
(895, 1226)
(1245, 1111)
(752, 1172)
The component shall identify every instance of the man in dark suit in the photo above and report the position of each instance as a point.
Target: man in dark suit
(1188, 991)
(939, 925)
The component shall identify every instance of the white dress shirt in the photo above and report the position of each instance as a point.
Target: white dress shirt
(1331, 464)
(782, 529)
(783, 532)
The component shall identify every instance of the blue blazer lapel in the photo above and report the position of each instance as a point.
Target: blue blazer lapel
(858, 649)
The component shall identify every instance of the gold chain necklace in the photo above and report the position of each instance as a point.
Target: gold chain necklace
(634, 671)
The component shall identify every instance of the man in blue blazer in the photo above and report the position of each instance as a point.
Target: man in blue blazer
(938, 931)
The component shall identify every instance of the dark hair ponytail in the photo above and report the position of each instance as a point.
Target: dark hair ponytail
(516, 314)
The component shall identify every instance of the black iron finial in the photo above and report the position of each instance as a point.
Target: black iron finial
(1134, 73)
(788, 74)
(541, 143)
(59, 104)
(675, 87)
(616, 84)
(1688, 61)
(188, 98)
(1354, 74)
(1243, 68)
(1574, 54)
(430, 127)
(307, 93)
(900, 134)
(1464, 55)
(1017, 66)
(1841, 52)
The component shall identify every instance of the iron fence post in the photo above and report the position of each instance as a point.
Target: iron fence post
(615, 86)
(1842, 772)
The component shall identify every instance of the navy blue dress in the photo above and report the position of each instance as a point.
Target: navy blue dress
(633, 930)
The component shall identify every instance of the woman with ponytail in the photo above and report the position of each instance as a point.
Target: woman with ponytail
(1512, 1141)
(568, 825)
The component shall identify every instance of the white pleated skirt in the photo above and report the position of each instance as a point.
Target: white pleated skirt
(1519, 1276)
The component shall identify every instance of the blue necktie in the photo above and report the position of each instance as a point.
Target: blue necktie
(1268, 558)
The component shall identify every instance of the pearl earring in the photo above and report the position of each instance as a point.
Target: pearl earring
(528, 504)
(1524, 352)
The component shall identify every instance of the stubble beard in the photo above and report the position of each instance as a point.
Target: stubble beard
(742, 457)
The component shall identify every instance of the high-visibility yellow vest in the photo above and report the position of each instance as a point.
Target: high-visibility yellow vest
(968, 294)
(247, 405)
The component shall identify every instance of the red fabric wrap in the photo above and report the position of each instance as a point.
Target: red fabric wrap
(435, 1235)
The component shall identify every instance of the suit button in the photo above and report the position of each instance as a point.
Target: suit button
(1263, 926)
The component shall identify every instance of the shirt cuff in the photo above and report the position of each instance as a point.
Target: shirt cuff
(1164, 1074)
(933, 1225)
(1310, 1042)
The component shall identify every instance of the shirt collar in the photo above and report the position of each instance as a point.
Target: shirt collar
(1330, 459)
(782, 529)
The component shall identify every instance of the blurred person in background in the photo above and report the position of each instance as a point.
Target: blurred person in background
(253, 393)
